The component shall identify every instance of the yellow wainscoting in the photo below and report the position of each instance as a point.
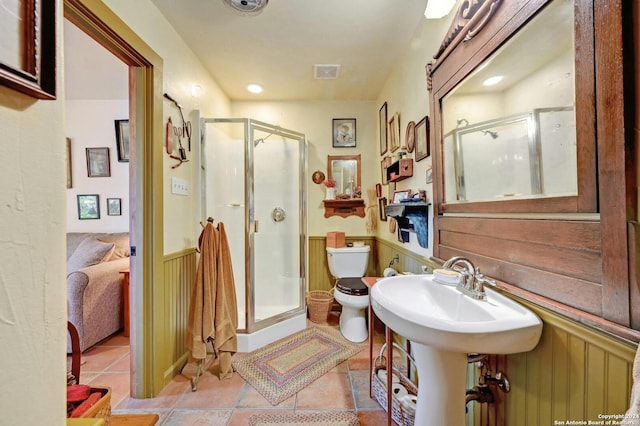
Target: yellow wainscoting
(575, 373)
(170, 322)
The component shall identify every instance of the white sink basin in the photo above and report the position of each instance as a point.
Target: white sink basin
(444, 326)
(438, 315)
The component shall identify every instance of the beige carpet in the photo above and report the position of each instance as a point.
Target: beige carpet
(343, 418)
(281, 369)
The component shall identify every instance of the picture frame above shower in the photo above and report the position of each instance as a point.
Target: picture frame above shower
(344, 132)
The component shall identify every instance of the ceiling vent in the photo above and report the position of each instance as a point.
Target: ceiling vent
(247, 7)
(326, 71)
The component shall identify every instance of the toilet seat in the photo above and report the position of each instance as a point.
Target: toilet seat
(352, 286)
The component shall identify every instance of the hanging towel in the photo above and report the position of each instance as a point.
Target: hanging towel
(213, 313)
(634, 405)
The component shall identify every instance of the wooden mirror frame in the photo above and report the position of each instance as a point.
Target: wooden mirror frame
(344, 207)
(356, 158)
(572, 255)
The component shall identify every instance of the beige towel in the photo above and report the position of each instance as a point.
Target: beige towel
(634, 406)
(213, 311)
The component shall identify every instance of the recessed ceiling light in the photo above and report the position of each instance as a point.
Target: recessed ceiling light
(492, 81)
(254, 88)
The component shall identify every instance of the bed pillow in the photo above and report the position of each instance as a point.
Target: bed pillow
(89, 252)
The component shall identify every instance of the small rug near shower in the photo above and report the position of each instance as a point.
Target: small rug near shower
(283, 368)
(342, 418)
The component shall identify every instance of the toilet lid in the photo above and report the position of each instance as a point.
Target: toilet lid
(352, 286)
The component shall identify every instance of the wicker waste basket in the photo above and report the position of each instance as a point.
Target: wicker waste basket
(319, 303)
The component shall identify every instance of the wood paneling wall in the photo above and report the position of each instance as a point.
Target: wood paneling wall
(575, 373)
(171, 318)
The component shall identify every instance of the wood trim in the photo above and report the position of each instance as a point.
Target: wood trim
(146, 196)
(614, 154)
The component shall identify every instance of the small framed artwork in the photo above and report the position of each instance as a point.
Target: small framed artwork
(398, 196)
(383, 169)
(114, 206)
(122, 140)
(98, 162)
(382, 122)
(69, 174)
(394, 132)
(344, 132)
(429, 178)
(422, 139)
(381, 203)
(88, 206)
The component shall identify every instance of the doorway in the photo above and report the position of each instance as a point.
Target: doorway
(145, 166)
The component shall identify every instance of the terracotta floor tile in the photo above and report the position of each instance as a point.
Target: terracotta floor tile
(373, 418)
(198, 417)
(118, 382)
(331, 391)
(250, 398)
(213, 392)
(102, 357)
(360, 388)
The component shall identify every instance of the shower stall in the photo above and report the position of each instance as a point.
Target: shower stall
(254, 182)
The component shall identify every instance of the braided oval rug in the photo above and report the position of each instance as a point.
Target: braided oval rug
(281, 369)
(339, 418)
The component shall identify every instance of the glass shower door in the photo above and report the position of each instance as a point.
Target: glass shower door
(277, 223)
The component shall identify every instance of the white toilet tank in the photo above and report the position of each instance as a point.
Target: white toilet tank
(348, 261)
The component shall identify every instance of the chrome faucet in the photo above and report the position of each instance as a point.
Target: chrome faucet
(473, 281)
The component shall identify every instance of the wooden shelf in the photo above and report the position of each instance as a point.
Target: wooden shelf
(400, 170)
(344, 208)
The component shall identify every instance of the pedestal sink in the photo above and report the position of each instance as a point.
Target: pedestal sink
(445, 325)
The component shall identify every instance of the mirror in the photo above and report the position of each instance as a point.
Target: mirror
(345, 170)
(509, 128)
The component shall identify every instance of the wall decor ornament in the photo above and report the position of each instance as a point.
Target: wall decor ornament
(394, 132)
(382, 124)
(98, 162)
(344, 132)
(28, 48)
(422, 139)
(122, 140)
(114, 206)
(88, 206)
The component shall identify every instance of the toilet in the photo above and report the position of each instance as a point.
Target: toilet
(348, 265)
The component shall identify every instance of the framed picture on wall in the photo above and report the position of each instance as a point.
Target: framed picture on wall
(382, 123)
(98, 162)
(88, 206)
(344, 132)
(381, 203)
(422, 139)
(114, 206)
(69, 173)
(122, 140)
(28, 48)
(394, 132)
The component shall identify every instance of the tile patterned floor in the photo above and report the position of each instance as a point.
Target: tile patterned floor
(231, 402)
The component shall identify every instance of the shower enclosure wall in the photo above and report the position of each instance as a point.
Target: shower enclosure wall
(254, 180)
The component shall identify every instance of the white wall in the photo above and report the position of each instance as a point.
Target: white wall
(182, 71)
(91, 124)
(32, 256)
(406, 93)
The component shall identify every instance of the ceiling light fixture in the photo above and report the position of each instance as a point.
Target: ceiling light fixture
(437, 9)
(247, 7)
(492, 81)
(254, 88)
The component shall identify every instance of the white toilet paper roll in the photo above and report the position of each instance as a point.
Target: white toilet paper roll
(390, 272)
(382, 375)
(399, 390)
(409, 403)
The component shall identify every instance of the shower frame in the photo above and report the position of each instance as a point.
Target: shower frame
(250, 225)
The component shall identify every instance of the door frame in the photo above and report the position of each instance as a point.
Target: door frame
(145, 169)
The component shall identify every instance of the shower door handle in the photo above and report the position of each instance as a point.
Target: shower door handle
(255, 226)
